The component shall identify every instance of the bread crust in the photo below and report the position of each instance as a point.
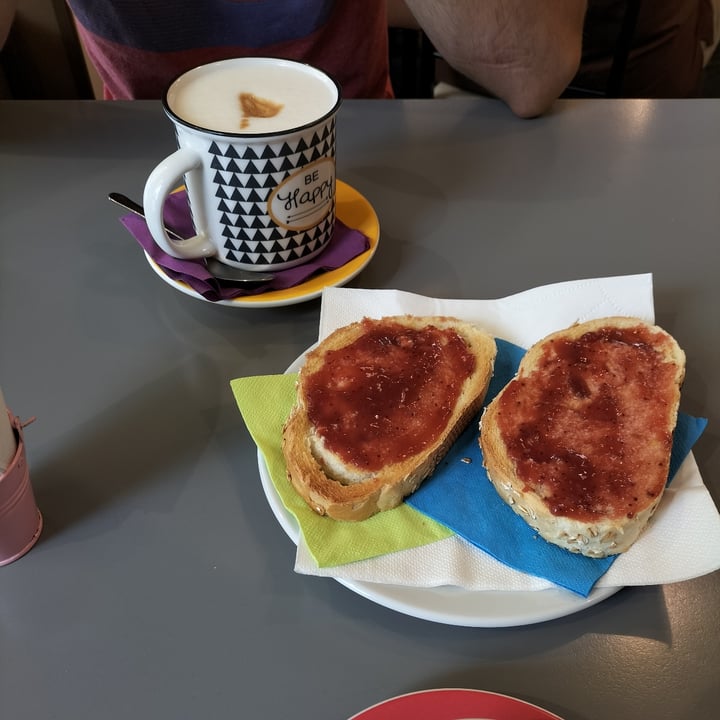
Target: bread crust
(599, 533)
(330, 486)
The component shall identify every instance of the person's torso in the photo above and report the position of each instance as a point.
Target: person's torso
(138, 48)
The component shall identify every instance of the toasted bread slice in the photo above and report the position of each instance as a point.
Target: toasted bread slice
(578, 443)
(379, 403)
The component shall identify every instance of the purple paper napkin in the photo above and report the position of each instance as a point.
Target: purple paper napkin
(346, 243)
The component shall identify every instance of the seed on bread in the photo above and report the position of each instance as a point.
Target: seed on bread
(579, 442)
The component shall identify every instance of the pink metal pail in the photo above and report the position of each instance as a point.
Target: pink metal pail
(20, 519)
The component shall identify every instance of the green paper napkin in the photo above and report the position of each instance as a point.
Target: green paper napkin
(265, 402)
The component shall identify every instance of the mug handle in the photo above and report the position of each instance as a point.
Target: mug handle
(160, 183)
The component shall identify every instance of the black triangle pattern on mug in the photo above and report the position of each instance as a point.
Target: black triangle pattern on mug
(271, 248)
(243, 179)
(279, 256)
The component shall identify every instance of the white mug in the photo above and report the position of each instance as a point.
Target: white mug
(256, 149)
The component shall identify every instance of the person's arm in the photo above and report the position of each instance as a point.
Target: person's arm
(523, 51)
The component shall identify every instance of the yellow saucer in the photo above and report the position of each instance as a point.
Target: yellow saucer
(355, 211)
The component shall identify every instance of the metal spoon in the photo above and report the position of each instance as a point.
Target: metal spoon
(219, 269)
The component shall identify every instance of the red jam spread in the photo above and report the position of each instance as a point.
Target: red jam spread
(389, 394)
(592, 437)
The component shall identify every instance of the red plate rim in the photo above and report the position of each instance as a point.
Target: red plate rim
(454, 704)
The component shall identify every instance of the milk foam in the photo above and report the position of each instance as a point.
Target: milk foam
(209, 96)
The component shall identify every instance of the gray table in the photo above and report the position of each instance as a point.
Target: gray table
(162, 586)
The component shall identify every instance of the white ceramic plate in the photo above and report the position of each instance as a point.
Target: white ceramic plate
(447, 604)
(454, 704)
(355, 211)
(450, 605)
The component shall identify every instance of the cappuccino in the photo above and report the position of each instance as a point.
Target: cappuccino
(256, 152)
(252, 95)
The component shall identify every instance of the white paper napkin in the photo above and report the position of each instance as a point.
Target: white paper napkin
(683, 539)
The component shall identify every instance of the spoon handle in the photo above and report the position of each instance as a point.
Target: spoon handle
(213, 266)
(134, 207)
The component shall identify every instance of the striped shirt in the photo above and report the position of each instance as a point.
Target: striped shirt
(139, 46)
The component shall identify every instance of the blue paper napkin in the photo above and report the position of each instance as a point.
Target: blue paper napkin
(460, 496)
